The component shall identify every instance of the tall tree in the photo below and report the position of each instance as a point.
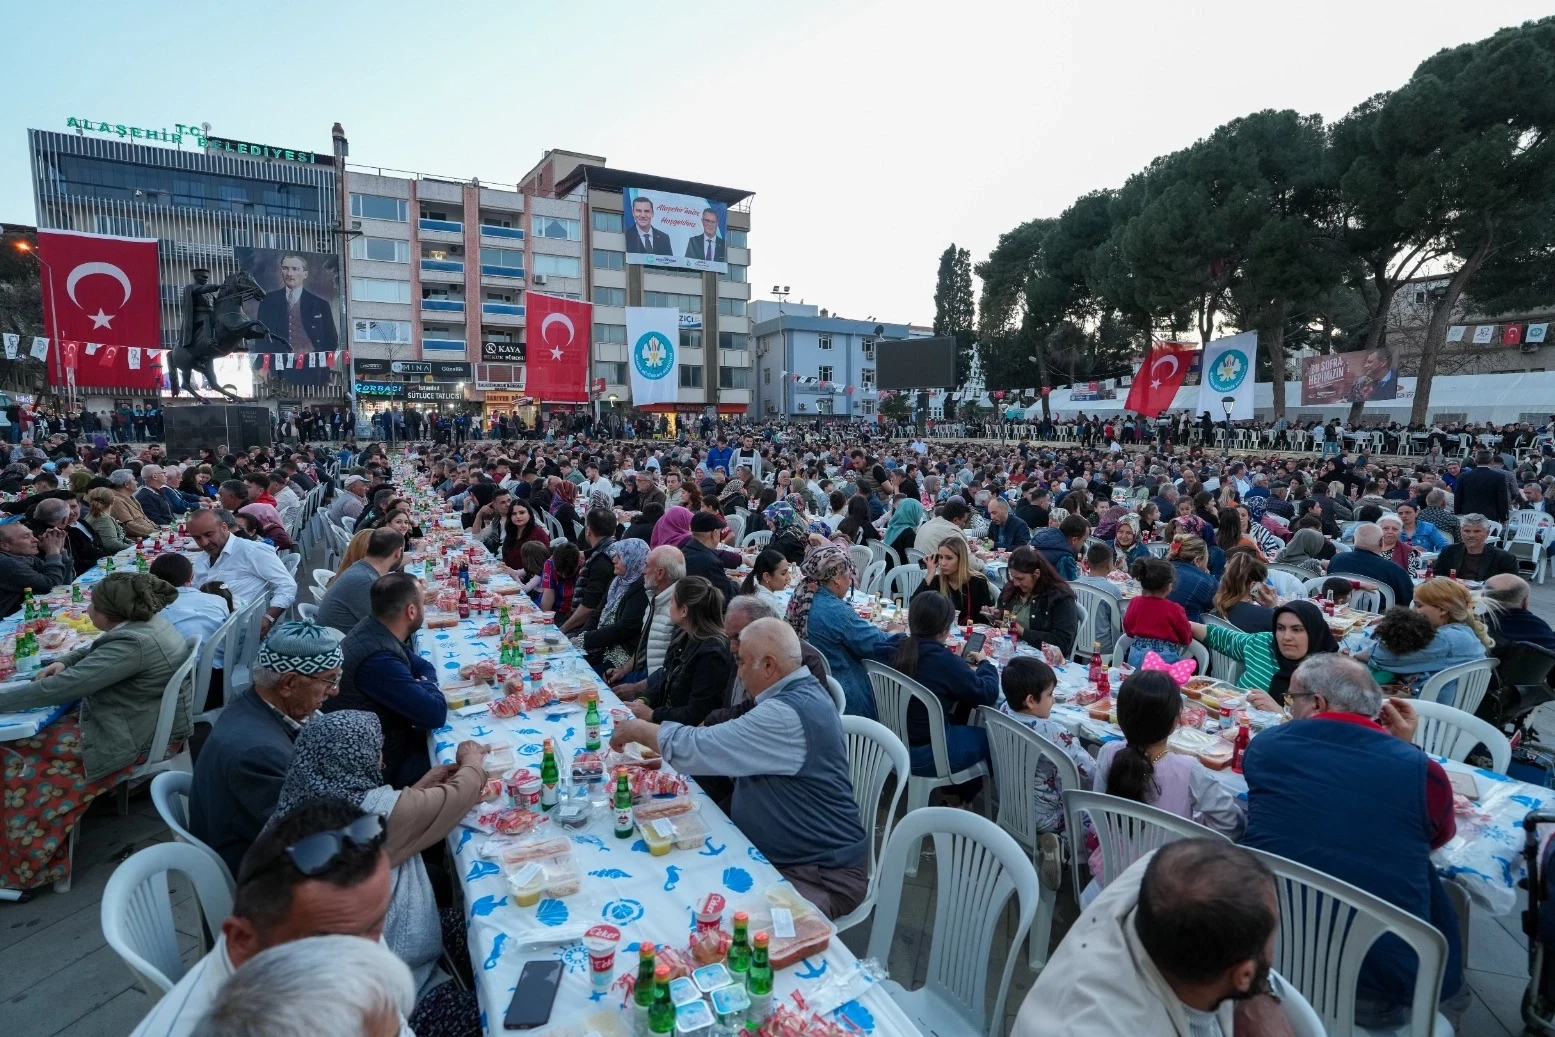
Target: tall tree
(955, 314)
(1009, 335)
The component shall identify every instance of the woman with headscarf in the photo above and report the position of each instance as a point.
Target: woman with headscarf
(1269, 658)
(902, 530)
(599, 497)
(120, 677)
(819, 613)
(1306, 550)
(612, 643)
(339, 755)
(564, 510)
(673, 529)
(734, 494)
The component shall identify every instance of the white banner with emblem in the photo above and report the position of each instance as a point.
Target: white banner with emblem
(653, 342)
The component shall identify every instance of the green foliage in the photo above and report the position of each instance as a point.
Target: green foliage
(897, 408)
(955, 314)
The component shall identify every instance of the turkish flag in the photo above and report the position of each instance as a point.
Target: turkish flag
(1159, 378)
(558, 338)
(105, 290)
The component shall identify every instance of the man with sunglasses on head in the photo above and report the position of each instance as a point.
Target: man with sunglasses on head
(243, 764)
(319, 870)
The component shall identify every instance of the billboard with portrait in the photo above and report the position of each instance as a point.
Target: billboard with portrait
(301, 306)
(1366, 376)
(664, 229)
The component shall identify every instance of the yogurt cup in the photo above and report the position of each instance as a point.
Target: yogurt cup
(601, 941)
(710, 912)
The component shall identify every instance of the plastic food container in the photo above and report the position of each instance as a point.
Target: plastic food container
(526, 884)
(563, 876)
(659, 834)
(689, 831)
(730, 1005)
(683, 990)
(500, 760)
(695, 1018)
(709, 978)
(798, 930)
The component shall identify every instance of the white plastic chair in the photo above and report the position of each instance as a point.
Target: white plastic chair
(552, 525)
(1016, 750)
(838, 696)
(1196, 651)
(758, 539)
(1222, 667)
(1472, 680)
(305, 612)
(902, 582)
(736, 524)
(137, 912)
(914, 556)
(321, 578)
(870, 582)
(177, 693)
(1091, 602)
(980, 868)
(170, 795)
(863, 558)
(874, 755)
(1326, 928)
(1373, 597)
(1125, 830)
(242, 648)
(894, 691)
(291, 559)
(204, 665)
(1448, 731)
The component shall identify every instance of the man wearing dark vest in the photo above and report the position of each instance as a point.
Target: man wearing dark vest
(1349, 795)
(792, 795)
(384, 675)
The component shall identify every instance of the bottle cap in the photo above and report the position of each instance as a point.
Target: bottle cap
(741, 917)
(645, 949)
(661, 973)
(762, 938)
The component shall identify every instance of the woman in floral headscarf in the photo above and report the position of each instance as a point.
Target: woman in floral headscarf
(612, 642)
(819, 612)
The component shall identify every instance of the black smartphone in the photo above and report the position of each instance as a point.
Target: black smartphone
(531, 1004)
(974, 643)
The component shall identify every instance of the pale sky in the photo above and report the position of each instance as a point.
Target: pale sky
(873, 133)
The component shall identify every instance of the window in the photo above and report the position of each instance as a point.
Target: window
(866, 406)
(555, 227)
(690, 376)
(823, 405)
(508, 257)
(605, 259)
(610, 333)
(669, 271)
(735, 238)
(866, 377)
(382, 250)
(492, 296)
(121, 226)
(443, 294)
(736, 273)
(732, 308)
(825, 341)
(613, 373)
(690, 339)
(733, 340)
(496, 221)
(375, 289)
(396, 331)
(558, 266)
(766, 376)
(610, 222)
(734, 378)
(825, 372)
(609, 296)
(379, 207)
(673, 300)
(869, 349)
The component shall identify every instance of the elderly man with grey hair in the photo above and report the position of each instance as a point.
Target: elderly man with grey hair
(1368, 562)
(126, 508)
(54, 513)
(30, 563)
(1342, 789)
(1474, 557)
(788, 758)
(665, 567)
(149, 496)
(1513, 622)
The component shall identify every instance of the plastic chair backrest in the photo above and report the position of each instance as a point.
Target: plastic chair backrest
(875, 754)
(979, 868)
(877, 550)
(291, 560)
(1125, 830)
(863, 557)
(760, 538)
(242, 648)
(1222, 667)
(1378, 600)
(205, 661)
(1016, 751)
(552, 525)
(838, 696)
(305, 612)
(321, 578)
(1091, 602)
(825, 666)
(870, 582)
(1158, 548)
(914, 556)
(1448, 731)
(1326, 928)
(1120, 650)
(170, 795)
(1472, 680)
(894, 690)
(902, 582)
(137, 912)
(178, 692)
(736, 527)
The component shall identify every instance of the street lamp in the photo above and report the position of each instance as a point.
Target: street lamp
(27, 248)
(1228, 403)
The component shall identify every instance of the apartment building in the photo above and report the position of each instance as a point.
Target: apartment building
(832, 357)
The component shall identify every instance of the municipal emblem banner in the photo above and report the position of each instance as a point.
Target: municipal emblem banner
(653, 340)
(1228, 371)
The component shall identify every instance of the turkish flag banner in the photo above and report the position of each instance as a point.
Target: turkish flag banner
(559, 332)
(1159, 377)
(101, 289)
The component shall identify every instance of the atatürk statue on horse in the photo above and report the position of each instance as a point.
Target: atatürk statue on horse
(214, 325)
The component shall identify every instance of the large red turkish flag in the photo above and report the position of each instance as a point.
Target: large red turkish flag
(1159, 378)
(558, 349)
(103, 290)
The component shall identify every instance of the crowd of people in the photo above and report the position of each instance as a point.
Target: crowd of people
(317, 790)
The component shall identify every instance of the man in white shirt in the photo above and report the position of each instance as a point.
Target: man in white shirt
(592, 481)
(286, 500)
(319, 870)
(249, 568)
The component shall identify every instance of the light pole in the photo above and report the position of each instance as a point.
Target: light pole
(1227, 403)
(27, 248)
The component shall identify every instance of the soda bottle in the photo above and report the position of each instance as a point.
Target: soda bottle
(642, 993)
(591, 723)
(429, 569)
(550, 776)
(661, 1011)
(1094, 673)
(140, 561)
(739, 962)
(75, 593)
(759, 984)
(1244, 734)
(108, 564)
(29, 610)
(623, 805)
(1452, 574)
(518, 629)
(505, 618)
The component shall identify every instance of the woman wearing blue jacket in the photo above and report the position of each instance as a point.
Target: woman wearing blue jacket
(819, 613)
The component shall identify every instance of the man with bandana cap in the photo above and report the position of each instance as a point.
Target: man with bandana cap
(243, 764)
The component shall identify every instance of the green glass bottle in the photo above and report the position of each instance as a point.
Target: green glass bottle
(591, 723)
(140, 562)
(623, 806)
(108, 564)
(642, 993)
(661, 1013)
(740, 949)
(29, 607)
(75, 593)
(759, 984)
(550, 777)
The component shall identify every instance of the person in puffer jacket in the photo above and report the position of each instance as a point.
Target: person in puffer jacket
(1062, 546)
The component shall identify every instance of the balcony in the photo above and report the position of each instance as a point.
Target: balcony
(502, 233)
(444, 308)
(493, 270)
(447, 271)
(442, 345)
(507, 314)
(441, 230)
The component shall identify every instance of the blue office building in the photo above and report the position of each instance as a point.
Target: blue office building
(833, 357)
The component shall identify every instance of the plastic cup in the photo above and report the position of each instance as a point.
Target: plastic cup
(710, 912)
(600, 941)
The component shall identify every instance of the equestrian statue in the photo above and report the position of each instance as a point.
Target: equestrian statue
(214, 325)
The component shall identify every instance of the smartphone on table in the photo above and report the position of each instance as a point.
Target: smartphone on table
(532, 999)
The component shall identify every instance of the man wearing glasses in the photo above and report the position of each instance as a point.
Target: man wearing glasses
(318, 871)
(238, 777)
